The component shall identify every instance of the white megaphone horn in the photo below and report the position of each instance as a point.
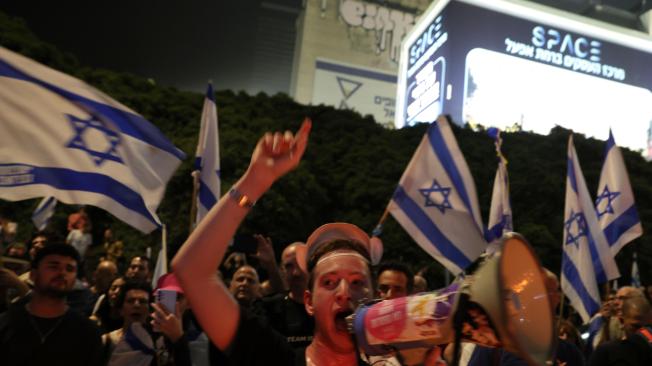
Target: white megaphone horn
(503, 303)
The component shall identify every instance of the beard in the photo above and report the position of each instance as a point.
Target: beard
(55, 292)
(52, 291)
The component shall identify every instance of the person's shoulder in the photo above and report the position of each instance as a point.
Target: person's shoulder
(82, 323)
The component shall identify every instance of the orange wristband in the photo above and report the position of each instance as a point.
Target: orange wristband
(242, 199)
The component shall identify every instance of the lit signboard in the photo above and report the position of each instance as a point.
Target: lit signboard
(504, 63)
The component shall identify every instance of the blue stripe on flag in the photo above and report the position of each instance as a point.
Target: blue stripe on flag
(571, 174)
(573, 277)
(429, 229)
(70, 180)
(600, 274)
(611, 142)
(440, 148)
(128, 123)
(44, 206)
(621, 224)
(209, 93)
(206, 197)
(494, 232)
(198, 162)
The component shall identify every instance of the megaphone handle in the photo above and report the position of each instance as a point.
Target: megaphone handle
(458, 323)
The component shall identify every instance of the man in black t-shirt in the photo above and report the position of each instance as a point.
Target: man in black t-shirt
(44, 331)
(286, 313)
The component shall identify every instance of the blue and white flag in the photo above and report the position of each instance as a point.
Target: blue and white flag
(62, 138)
(436, 201)
(500, 213)
(43, 213)
(586, 258)
(615, 201)
(207, 158)
(161, 266)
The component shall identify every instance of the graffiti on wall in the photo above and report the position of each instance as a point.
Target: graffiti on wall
(389, 25)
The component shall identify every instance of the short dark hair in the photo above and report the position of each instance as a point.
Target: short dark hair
(336, 244)
(64, 250)
(398, 267)
(132, 285)
(142, 258)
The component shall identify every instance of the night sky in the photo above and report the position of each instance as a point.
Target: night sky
(176, 43)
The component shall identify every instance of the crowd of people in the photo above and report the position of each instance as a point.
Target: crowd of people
(295, 315)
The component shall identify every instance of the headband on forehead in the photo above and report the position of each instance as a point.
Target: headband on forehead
(338, 231)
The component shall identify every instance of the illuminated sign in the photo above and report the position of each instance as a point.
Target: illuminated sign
(505, 63)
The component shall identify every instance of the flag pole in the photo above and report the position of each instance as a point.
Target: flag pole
(193, 201)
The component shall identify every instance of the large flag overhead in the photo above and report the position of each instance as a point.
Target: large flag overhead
(43, 212)
(207, 157)
(615, 201)
(586, 259)
(500, 213)
(436, 201)
(63, 138)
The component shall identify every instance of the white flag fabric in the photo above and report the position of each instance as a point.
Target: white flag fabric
(161, 267)
(586, 258)
(615, 201)
(207, 157)
(500, 213)
(636, 274)
(43, 212)
(436, 201)
(63, 138)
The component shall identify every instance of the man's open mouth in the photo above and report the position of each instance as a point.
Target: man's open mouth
(340, 320)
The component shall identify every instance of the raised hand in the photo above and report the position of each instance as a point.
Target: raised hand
(278, 153)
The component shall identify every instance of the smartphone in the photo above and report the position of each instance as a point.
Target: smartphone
(168, 298)
(245, 244)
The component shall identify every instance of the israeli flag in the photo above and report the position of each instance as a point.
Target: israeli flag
(436, 201)
(500, 213)
(207, 157)
(586, 259)
(615, 201)
(43, 213)
(62, 138)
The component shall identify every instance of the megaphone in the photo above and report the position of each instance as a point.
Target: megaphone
(503, 302)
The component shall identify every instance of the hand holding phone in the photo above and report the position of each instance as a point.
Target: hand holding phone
(168, 298)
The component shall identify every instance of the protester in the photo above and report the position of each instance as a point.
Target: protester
(611, 322)
(105, 272)
(106, 312)
(635, 348)
(337, 263)
(44, 331)
(138, 269)
(420, 284)
(394, 280)
(38, 242)
(134, 344)
(286, 312)
(245, 286)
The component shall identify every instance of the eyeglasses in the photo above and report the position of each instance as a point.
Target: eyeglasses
(40, 241)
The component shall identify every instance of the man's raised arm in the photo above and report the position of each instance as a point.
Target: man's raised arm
(197, 261)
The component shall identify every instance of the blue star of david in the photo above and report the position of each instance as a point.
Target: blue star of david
(437, 188)
(575, 221)
(610, 197)
(80, 126)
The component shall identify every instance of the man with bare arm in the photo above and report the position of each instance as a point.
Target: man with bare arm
(336, 258)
